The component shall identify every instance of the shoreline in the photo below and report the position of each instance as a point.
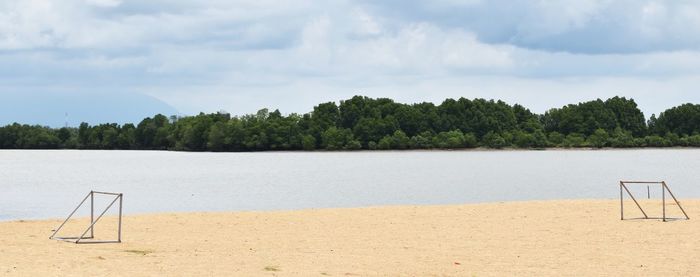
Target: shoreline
(476, 149)
(336, 208)
(157, 213)
(580, 237)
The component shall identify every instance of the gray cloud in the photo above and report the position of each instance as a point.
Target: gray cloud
(588, 26)
(242, 55)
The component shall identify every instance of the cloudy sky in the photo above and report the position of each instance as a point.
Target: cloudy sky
(121, 60)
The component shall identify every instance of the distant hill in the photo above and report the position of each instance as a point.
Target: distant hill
(49, 109)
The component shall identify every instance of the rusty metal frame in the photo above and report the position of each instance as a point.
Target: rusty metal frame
(664, 189)
(89, 239)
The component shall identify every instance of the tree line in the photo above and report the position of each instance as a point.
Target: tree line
(367, 123)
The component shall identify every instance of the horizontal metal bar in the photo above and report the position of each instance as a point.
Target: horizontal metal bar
(640, 182)
(73, 238)
(87, 241)
(98, 241)
(110, 193)
(661, 218)
(66, 240)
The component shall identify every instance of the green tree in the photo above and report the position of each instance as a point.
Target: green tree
(454, 139)
(84, 132)
(694, 141)
(680, 120)
(621, 138)
(494, 140)
(556, 138)
(385, 143)
(217, 137)
(539, 139)
(110, 137)
(575, 140)
(656, 141)
(399, 140)
(308, 142)
(421, 141)
(336, 139)
(127, 137)
(599, 138)
(353, 145)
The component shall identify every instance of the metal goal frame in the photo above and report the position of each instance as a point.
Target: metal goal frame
(90, 239)
(664, 189)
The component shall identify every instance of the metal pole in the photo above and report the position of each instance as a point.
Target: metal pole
(92, 213)
(663, 200)
(648, 194)
(119, 233)
(622, 213)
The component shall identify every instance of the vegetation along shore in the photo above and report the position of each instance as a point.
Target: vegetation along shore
(367, 123)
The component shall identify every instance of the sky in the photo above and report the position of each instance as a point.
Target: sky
(68, 61)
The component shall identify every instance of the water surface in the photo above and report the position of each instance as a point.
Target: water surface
(48, 184)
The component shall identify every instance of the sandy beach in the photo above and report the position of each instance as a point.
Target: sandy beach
(571, 237)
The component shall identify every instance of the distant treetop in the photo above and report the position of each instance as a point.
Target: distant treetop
(367, 123)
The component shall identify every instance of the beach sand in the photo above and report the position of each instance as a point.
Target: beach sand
(535, 238)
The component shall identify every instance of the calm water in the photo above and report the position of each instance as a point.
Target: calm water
(44, 184)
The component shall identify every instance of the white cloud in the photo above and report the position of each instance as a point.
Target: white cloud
(104, 3)
(253, 53)
(364, 24)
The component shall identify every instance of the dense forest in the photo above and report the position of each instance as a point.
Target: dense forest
(367, 123)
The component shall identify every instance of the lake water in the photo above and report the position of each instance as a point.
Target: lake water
(48, 184)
